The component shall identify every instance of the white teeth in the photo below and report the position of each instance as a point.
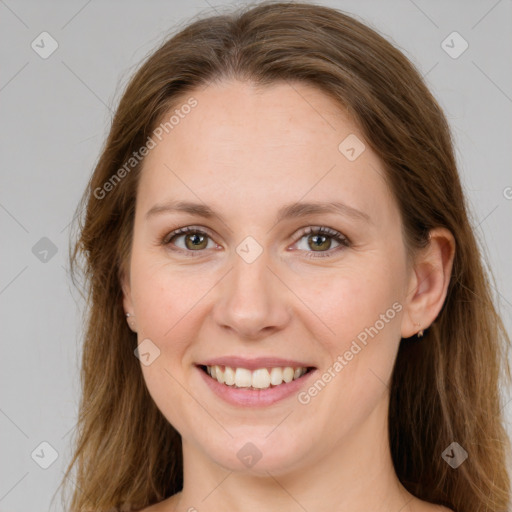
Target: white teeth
(229, 376)
(243, 378)
(276, 376)
(219, 374)
(262, 378)
(288, 374)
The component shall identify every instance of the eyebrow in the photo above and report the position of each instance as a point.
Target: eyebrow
(290, 211)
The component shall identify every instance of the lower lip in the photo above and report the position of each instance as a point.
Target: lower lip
(255, 397)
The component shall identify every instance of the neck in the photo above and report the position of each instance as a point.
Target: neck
(354, 475)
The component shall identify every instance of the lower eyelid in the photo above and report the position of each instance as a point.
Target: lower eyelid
(339, 238)
(183, 235)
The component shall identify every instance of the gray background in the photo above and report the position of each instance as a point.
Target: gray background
(55, 115)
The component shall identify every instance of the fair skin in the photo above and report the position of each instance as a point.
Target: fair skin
(246, 152)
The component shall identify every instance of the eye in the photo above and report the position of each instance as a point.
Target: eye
(194, 239)
(319, 239)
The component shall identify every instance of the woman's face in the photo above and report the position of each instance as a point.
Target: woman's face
(254, 285)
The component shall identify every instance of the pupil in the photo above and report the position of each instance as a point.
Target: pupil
(317, 239)
(196, 239)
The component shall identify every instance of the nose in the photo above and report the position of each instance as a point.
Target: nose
(253, 302)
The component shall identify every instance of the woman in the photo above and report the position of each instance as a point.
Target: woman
(288, 308)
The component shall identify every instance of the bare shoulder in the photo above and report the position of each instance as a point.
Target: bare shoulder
(430, 507)
(152, 508)
(157, 507)
(167, 505)
(418, 505)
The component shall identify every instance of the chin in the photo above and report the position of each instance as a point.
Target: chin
(258, 454)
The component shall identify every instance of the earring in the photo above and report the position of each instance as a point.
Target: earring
(420, 333)
(131, 322)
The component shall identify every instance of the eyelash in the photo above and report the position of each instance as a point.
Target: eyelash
(317, 230)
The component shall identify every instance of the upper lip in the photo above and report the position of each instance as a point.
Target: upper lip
(254, 364)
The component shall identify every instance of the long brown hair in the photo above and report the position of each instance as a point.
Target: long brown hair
(444, 387)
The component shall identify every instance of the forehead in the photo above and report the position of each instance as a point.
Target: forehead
(245, 146)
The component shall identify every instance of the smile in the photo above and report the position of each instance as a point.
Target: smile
(259, 378)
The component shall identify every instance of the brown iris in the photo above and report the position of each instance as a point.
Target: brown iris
(319, 246)
(196, 240)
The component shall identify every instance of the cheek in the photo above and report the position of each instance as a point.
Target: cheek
(333, 308)
(362, 308)
(353, 304)
(166, 297)
(169, 301)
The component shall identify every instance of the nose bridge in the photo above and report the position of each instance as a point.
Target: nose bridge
(252, 298)
(251, 278)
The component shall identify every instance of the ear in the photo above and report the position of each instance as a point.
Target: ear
(428, 283)
(127, 300)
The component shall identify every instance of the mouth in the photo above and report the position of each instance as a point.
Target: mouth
(256, 379)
